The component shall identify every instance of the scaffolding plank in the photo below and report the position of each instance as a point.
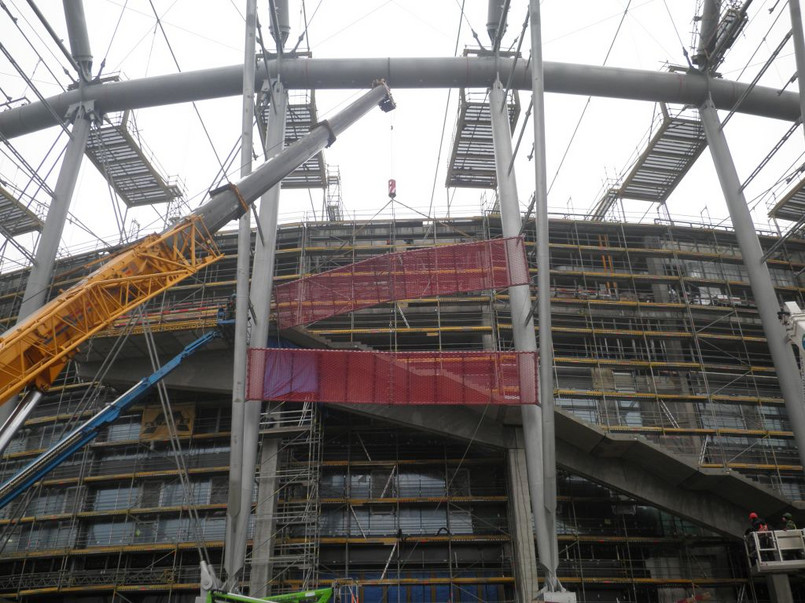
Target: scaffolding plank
(15, 217)
(117, 154)
(472, 159)
(300, 118)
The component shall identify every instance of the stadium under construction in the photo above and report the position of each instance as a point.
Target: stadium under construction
(504, 406)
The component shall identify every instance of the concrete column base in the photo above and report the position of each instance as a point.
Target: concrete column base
(779, 588)
(522, 526)
(263, 546)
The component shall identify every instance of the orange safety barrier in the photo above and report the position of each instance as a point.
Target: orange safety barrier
(489, 264)
(408, 378)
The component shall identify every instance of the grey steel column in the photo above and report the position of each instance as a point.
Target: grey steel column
(543, 280)
(36, 289)
(77, 32)
(707, 32)
(522, 325)
(799, 52)
(262, 282)
(240, 493)
(768, 305)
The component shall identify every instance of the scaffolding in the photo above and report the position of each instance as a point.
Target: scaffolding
(655, 334)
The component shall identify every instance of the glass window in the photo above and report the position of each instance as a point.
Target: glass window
(108, 533)
(173, 494)
(118, 497)
(125, 429)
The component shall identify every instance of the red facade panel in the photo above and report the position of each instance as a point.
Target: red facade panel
(408, 378)
(490, 264)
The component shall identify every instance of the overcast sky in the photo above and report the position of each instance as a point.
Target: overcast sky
(643, 34)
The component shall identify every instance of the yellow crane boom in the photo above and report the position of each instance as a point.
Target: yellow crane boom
(35, 351)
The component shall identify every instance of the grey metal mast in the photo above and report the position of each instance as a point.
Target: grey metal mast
(768, 305)
(12, 414)
(543, 287)
(522, 321)
(238, 520)
(799, 52)
(262, 283)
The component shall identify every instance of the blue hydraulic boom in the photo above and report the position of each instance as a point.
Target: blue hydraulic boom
(56, 454)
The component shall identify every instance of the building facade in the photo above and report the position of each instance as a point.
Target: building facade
(657, 345)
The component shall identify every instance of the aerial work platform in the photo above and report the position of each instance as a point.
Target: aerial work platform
(117, 151)
(669, 155)
(775, 551)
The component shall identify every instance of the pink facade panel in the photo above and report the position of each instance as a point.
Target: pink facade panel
(407, 378)
(490, 264)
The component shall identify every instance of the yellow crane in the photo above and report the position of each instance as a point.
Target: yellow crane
(35, 351)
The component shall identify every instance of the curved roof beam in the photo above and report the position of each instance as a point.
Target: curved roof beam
(454, 72)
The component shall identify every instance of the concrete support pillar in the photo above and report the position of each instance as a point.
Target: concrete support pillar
(264, 518)
(779, 588)
(768, 305)
(521, 523)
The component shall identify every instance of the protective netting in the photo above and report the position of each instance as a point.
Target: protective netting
(490, 264)
(358, 377)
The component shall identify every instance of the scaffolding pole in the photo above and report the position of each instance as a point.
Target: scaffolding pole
(768, 305)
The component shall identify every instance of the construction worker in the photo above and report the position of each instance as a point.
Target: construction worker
(758, 523)
(788, 522)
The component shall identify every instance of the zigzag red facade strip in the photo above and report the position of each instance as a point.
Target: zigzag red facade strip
(477, 266)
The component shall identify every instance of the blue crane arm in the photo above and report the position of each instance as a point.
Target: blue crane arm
(87, 431)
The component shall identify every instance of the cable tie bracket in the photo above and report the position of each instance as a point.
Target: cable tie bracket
(331, 134)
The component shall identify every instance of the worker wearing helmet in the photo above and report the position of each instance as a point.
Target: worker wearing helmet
(758, 523)
(788, 522)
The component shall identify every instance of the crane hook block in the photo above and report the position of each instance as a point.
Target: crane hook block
(387, 103)
(392, 188)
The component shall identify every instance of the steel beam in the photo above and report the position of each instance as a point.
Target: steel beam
(262, 283)
(799, 50)
(522, 323)
(546, 399)
(768, 305)
(79, 39)
(240, 490)
(453, 72)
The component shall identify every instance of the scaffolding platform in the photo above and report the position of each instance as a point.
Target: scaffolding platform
(15, 217)
(669, 155)
(116, 150)
(299, 120)
(792, 206)
(472, 159)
